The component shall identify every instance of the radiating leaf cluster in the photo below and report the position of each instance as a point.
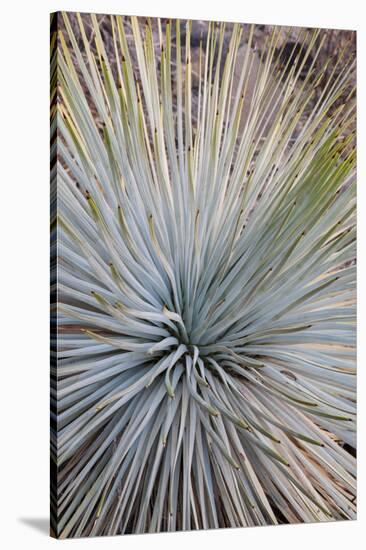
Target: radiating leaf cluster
(206, 283)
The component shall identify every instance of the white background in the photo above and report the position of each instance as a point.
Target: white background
(24, 195)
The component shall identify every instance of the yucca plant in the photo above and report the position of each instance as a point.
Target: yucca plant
(206, 281)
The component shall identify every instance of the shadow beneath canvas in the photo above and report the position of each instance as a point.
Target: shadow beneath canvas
(42, 525)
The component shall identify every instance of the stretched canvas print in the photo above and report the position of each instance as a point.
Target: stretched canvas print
(203, 211)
